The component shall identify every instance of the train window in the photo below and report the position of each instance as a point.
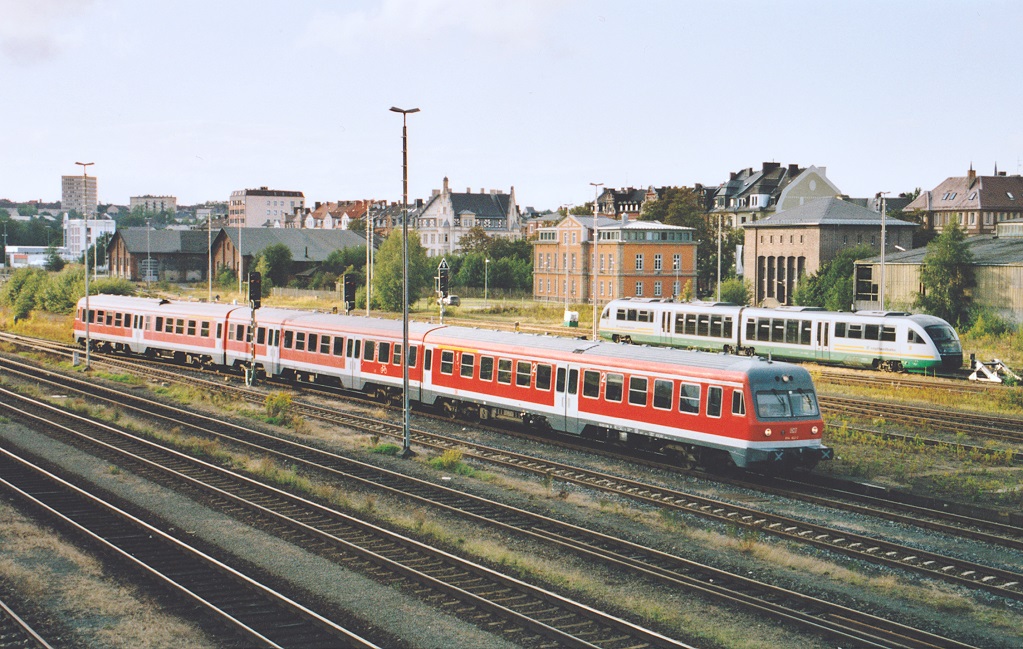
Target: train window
(396, 358)
(804, 404)
(523, 372)
(468, 365)
(703, 325)
(805, 327)
(714, 401)
(447, 361)
(727, 331)
(764, 329)
(384, 353)
(914, 337)
(110, 318)
(751, 329)
(738, 403)
(261, 336)
(427, 358)
(620, 315)
(180, 326)
(504, 371)
(591, 384)
(313, 342)
(637, 390)
(117, 320)
(689, 398)
(888, 333)
(191, 327)
(680, 320)
(543, 377)
(662, 394)
(613, 387)
(147, 322)
(855, 331)
(351, 347)
(486, 368)
(369, 350)
(645, 316)
(220, 330)
(300, 341)
(324, 344)
(204, 329)
(239, 332)
(573, 381)
(715, 325)
(839, 330)
(872, 332)
(630, 315)
(690, 324)
(559, 386)
(159, 323)
(339, 346)
(413, 352)
(792, 331)
(777, 330)
(289, 339)
(773, 404)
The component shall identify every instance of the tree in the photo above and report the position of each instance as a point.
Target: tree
(54, 262)
(388, 271)
(831, 286)
(736, 291)
(276, 260)
(683, 206)
(476, 240)
(947, 276)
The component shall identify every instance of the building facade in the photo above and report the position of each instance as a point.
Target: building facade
(751, 194)
(624, 259)
(781, 249)
(79, 193)
(447, 216)
(80, 234)
(263, 207)
(977, 203)
(154, 203)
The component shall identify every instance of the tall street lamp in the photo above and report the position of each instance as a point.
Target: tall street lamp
(149, 261)
(85, 213)
(719, 257)
(486, 281)
(596, 239)
(405, 112)
(564, 260)
(209, 246)
(882, 195)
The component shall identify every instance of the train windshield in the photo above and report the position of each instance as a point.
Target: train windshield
(795, 404)
(944, 338)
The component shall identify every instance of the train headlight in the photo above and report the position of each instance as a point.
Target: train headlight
(767, 432)
(814, 430)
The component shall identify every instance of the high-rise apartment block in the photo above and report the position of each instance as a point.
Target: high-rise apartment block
(78, 193)
(263, 207)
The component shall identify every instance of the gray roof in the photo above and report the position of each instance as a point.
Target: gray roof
(827, 211)
(143, 240)
(987, 250)
(304, 244)
(482, 205)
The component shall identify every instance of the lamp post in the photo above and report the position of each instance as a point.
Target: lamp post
(240, 221)
(85, 213)
(149, 261)
(209, 246)
(882, 195)
(564, 260)
(405, 112)
(486, 282)
(596, 239)
(719, 257)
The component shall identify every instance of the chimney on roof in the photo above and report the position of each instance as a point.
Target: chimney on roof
(732, 175)
(971, 177)
(771, 166)
(317, 205)
(445, 184)
(793, 169)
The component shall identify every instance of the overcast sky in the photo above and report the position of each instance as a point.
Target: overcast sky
(198, 98)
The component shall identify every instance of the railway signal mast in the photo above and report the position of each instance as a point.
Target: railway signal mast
(255, 301)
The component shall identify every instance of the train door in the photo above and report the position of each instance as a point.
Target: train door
(664, 332)
(137, 332)
(566, 400)
(353, 361)
(268, 349)
(822, 341)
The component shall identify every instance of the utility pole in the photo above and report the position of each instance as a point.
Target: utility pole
(88, 313)
(596, 270)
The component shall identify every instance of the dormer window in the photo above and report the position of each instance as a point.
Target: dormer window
(972, 196)
(1011, 197)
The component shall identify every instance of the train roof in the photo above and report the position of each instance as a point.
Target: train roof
(156, 305)
(454, 335)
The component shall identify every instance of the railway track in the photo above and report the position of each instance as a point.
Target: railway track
(822, 617)
(256, 612)
(16, 633)
(488, 598)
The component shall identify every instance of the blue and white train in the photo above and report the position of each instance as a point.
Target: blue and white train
(893, 341)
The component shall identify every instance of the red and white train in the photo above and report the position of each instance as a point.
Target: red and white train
(709, 408)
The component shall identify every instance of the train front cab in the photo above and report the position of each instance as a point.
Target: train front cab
(787, 429)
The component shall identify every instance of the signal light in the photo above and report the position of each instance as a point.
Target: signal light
(255, 289)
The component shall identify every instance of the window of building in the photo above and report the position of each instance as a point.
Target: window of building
(657, 289)
(639, 289)
(657, 262)
(676, 261)
(639, 261)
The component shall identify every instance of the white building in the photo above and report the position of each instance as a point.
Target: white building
(75, 231)
(449, 215)
(263, 207)
(154, 203)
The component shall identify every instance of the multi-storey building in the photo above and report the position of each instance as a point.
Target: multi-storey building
(263, 207)
(154, 203)
(78, 193)
(977, 203)
(625, 259)
(447, 216)
(80, 234)
(749, 194)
